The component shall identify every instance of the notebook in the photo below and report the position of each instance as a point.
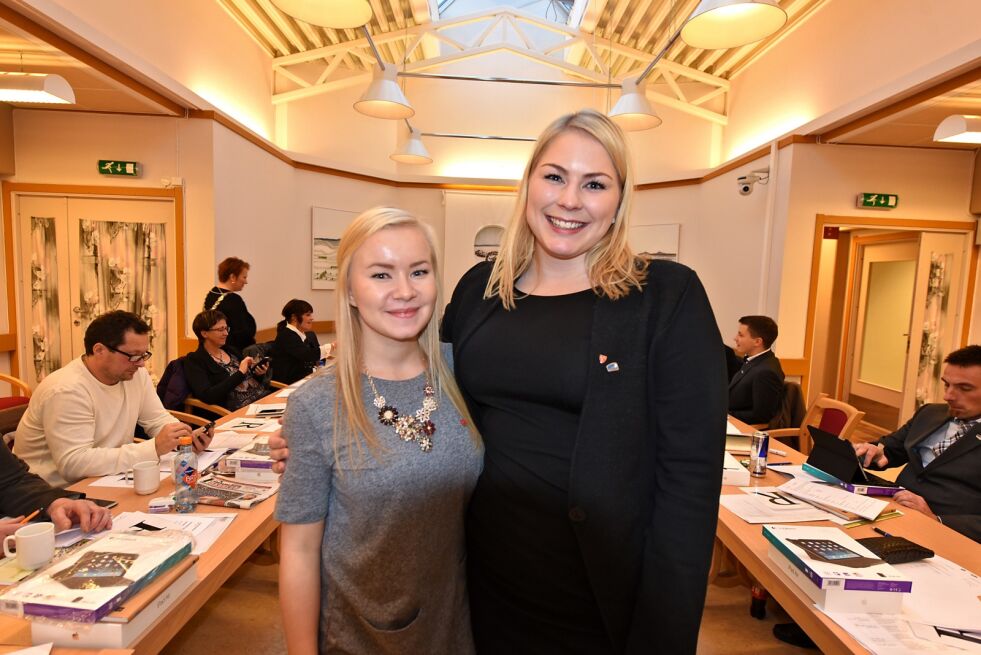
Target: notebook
(834, 460)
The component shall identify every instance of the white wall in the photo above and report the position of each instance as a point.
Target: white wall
(848, 55)
(932, 185)
(179, 43)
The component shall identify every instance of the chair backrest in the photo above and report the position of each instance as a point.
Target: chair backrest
(190, 419)
(792, 408)
(16, 383)
(832, 416)
(172, 388)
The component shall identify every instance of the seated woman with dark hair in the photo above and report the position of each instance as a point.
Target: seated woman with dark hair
(296, 350)
(216, 372)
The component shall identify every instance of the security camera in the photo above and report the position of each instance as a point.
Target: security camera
(745, 182)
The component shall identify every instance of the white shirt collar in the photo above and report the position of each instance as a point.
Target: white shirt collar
(752, 357)
(297, 330)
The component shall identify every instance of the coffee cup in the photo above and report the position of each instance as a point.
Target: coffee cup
(35, 545)
(146, 477)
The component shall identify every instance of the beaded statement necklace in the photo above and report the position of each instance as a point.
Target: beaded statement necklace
(410, 427)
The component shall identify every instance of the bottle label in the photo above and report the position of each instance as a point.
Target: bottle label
(189, 477)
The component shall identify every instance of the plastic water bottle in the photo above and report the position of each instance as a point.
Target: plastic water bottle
(185, 477)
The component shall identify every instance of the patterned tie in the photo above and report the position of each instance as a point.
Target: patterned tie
(962, 428)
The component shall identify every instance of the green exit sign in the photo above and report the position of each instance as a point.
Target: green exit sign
(877, 200)
(116, 167)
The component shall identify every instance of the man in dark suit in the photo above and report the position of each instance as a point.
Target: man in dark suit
(756, 389)
(941, 447)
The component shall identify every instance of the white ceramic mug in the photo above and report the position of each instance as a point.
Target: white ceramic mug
(35, 545)
(146, 477)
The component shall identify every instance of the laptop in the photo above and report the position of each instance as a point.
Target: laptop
(834, 460)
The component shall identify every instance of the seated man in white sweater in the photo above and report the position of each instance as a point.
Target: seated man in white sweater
(82, 417)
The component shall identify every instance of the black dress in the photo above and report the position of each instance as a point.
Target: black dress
(241, 325)
(532, 363)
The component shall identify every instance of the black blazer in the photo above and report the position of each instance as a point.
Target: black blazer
(208, 381)
(756, 390)
(293, 357)
(241, 325)
(22, 492)
(951, 483)
(646, 470)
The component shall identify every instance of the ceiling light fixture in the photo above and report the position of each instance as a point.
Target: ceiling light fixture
(959, 128)
(35, 87)
(337, 14)
(413, 151)
(633, 112)
(383, 97)
(719, 24)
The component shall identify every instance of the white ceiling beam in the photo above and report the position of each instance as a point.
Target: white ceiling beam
(591, 15)
(286, 25)
(264, 24)
(396, 6)
(379, 13)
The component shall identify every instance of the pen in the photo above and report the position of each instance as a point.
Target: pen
(882, 532)
(780, 464)
(30, 516)
(777, 451)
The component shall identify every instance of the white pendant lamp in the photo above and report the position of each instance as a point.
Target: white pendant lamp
(35, 87)
(959, 128)
(719, 24)
(413, 151)
(633, 112)
(338, 14)
(384, 97)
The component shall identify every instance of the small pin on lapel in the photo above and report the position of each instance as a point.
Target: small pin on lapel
(602, 359)
(612, 367)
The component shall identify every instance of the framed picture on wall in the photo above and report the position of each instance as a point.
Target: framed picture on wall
(656, 241)
(328, 225)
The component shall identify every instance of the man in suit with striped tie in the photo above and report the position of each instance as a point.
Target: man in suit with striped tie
(941, 447)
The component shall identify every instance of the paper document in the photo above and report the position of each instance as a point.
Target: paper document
(732, 429)
(205, 528)
(248, 424)
(889, 634)
(769, 505)
(285, 393)
(228, 440)
(944, 594)
(836, 497)
(42, 649)
(206, 459)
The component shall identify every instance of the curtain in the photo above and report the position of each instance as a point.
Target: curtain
(123, 268)
(936, 319)
(45, 320)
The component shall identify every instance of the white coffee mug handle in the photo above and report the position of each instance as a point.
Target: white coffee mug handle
(6, 549)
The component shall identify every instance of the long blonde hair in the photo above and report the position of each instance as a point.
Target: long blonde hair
(611, 265)
(351, 416)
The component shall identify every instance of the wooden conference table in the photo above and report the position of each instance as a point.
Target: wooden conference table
(242, 537)
(747, 544)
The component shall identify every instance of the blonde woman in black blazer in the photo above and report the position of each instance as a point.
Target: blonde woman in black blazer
(296, 350)
(596, 380)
